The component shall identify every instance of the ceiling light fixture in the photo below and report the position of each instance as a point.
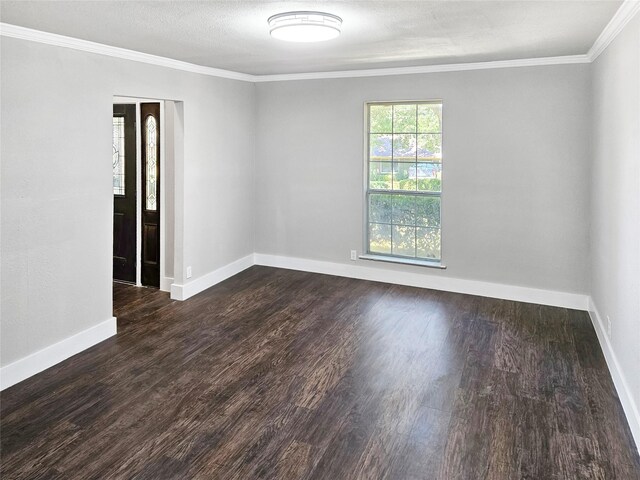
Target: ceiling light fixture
(304, 26)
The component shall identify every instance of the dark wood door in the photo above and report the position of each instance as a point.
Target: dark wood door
(124, 193)
(150, 118)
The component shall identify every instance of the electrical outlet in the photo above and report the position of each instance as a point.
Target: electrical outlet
(608, 326)
(354, 255)
(188, 272)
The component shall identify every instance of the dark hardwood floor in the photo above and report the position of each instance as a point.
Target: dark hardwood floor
(288, 375)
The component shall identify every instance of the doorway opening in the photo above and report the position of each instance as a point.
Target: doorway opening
(143, 191)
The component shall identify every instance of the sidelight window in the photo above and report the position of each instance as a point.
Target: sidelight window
(118, 156)
(151, 163)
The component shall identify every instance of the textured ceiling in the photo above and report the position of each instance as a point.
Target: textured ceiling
(233, 34)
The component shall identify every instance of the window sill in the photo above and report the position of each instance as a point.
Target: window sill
(403, 261)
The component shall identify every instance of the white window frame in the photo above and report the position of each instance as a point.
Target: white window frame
(433, 263)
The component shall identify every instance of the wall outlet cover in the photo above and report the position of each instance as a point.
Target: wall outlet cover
(189, 272)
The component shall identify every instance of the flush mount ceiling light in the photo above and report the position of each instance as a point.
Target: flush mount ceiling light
(304, 26)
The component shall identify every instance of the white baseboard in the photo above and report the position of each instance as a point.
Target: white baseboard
(47, 357)
(189, 289)
(426, 280)
(617, 374)
(165, 284)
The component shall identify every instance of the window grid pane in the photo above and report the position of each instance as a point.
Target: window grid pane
(404, 179)
(379, 238)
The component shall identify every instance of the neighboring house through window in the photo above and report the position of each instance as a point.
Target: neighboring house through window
(404, 180)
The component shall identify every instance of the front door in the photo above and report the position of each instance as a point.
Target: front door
(124, 193)
(150, 118)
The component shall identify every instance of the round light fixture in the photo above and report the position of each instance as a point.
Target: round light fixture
(304, 26)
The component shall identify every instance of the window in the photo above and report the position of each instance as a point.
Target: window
(404, 179)
(118, 155)
(151, 161)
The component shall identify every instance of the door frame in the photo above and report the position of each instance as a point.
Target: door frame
(165, 283)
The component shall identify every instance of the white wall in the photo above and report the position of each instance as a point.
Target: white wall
(56, 192)
(516, 180)
(169, 183)
(615, 218)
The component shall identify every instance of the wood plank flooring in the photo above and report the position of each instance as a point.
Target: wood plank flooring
(279, 374)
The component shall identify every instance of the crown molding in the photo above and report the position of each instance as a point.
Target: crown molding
(620, 19)
(451, 67)
(23, 33)
(15, 31)
(625, 13)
